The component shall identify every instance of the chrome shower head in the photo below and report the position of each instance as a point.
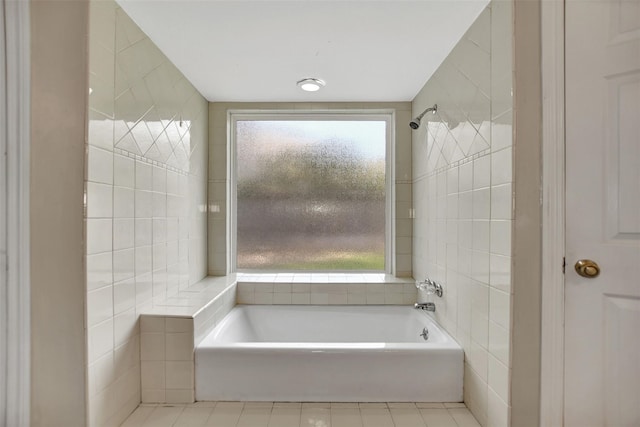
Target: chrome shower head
(415, 123)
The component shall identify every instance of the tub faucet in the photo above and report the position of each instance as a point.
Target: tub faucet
(429, 306)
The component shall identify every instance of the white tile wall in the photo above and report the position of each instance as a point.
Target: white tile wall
(147, 133)
(166, 358)
(462, 192)
(325, 289)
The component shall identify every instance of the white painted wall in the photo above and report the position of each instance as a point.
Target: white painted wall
(59, 78)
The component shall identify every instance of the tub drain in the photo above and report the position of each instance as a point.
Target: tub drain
(425, 333)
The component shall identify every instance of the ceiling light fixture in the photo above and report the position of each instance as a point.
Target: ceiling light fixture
(311, 84)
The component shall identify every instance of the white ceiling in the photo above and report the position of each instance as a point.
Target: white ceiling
(365, 50)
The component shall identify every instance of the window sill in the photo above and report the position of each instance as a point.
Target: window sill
(321, 278)
(325, 288)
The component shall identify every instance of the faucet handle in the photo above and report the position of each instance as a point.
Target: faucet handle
(430, 287)
(434, 288)
(424, 285)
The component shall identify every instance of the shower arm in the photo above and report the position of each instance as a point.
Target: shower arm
(434, 109)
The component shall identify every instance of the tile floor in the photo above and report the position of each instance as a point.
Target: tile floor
(291, 414)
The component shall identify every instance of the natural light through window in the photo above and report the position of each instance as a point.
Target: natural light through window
(311, 194)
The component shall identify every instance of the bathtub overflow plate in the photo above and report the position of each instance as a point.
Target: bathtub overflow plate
(425, 333)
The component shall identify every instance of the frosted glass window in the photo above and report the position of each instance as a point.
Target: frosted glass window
(310, 194)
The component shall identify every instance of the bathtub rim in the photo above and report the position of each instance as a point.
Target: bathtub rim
(449, 342)
(332, 347)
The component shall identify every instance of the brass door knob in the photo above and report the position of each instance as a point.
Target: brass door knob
(587, 268)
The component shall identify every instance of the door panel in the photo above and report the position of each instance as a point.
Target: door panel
(602, 314)
(623, 150)
(621, 356)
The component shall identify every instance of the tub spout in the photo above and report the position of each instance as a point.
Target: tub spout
(429, 306)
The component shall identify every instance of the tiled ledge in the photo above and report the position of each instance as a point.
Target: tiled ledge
(324, 288)
(194, 299)
(169, 333)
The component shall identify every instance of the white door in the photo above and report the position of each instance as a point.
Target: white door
(602, 323)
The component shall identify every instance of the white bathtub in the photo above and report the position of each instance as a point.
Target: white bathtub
(328, 353)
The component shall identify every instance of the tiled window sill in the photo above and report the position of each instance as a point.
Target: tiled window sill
(194, 299)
